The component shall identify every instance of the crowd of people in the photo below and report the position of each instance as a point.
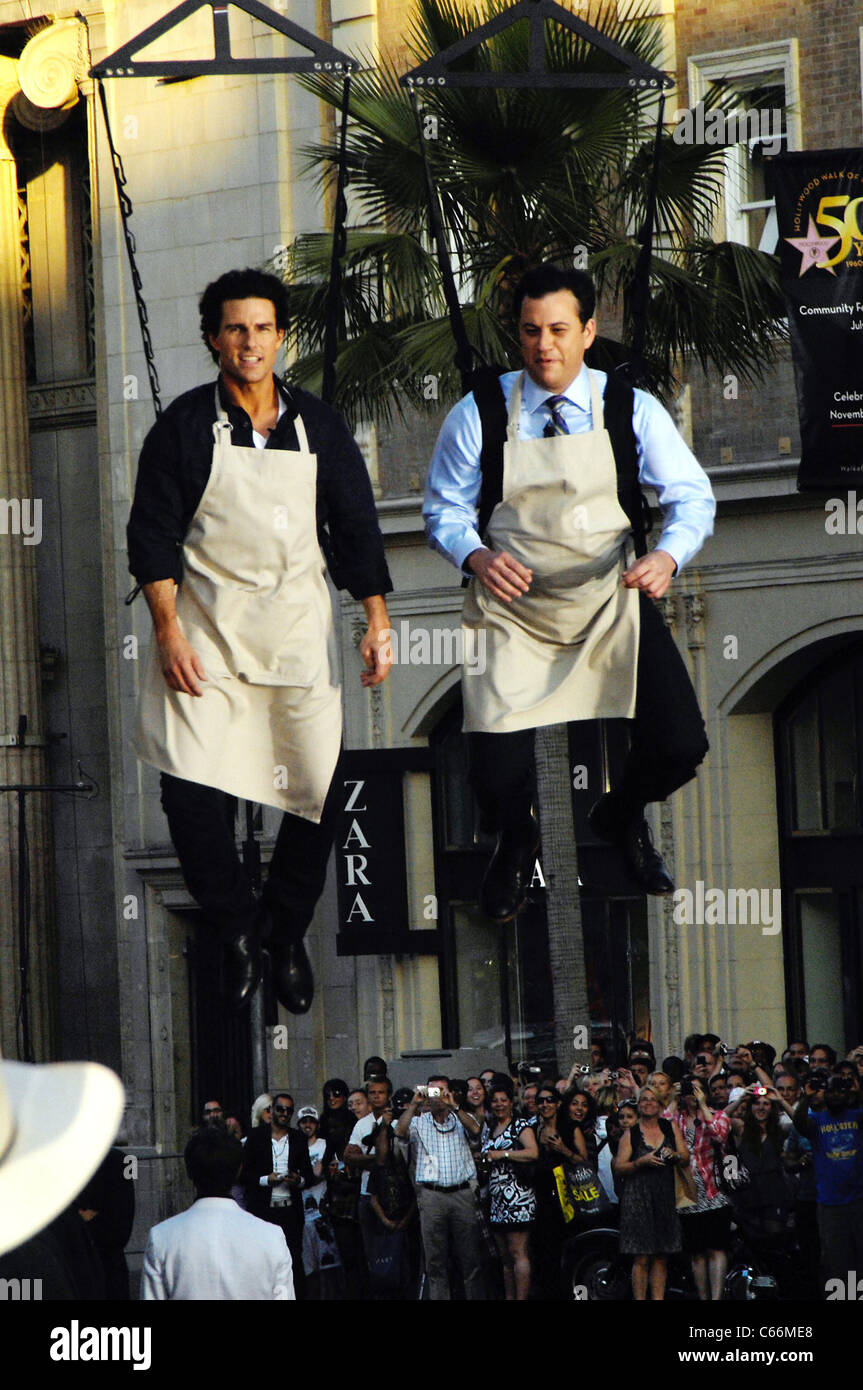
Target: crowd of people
(474, 1188)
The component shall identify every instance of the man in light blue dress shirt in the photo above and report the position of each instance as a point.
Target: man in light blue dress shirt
(556, 327)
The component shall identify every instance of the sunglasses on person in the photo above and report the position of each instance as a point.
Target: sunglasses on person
(283, 1109)
(546, 1100)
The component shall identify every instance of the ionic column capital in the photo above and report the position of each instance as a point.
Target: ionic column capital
(42, 86)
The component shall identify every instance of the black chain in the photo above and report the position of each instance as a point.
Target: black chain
(126, 211)
(333, 313)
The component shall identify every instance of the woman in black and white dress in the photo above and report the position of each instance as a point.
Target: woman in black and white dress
(509, 1143)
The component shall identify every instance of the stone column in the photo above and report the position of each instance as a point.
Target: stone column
(47, 69)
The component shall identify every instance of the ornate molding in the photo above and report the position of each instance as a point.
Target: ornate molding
(695, 610)
(61, 404)
(667, 606)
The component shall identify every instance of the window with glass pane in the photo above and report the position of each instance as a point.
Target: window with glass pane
(759, 104)
(616, 956)
(821, 948)
(804, 753)
(840, 749)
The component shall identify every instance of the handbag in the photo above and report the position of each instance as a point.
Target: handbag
(386, 1261)
(685, 1194)
(579, 1191)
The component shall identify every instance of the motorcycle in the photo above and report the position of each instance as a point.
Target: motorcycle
(597, 1272)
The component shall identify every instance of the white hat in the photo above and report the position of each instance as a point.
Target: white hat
(57, 1122)
(308, 1112)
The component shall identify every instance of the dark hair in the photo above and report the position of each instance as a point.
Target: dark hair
(751, 1136)
(547, 278)
(769, 1051)
(692, 1042)
(674, 1067)
(438, 1077)
(374, 1066)
(378, 1081)
(282, 1095)
(240, 284)
(825, 1047)
(213, 1158)
(500, 1082)
(568, 1097)
(335, 1084)
(792, 1041)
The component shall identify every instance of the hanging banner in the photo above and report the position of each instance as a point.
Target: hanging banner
(819, 207)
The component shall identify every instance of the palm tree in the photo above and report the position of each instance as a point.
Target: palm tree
(523, 176)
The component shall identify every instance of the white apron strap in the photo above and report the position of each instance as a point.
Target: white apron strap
(596, 407)
(222, 424)
(515, 408)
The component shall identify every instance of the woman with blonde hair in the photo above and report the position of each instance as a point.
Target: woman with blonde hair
(261, 1111)
(649, 1226)
(662, 1084)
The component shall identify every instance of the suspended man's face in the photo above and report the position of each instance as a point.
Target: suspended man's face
(553, 339)
(248, 340)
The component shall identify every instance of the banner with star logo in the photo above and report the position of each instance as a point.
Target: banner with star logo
(819, 209)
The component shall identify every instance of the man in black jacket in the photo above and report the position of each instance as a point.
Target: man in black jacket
(275, 1170)
(243, 485)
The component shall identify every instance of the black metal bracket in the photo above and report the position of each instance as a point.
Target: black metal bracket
(323, 57)
(436, 71)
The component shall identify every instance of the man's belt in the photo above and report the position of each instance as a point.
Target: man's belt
(438, 1187)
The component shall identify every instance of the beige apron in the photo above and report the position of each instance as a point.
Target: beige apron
(255, 606)
(567, 649)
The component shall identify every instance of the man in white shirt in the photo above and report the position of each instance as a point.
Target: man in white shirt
(445, 1184)
(215, 1250)
(536, 498)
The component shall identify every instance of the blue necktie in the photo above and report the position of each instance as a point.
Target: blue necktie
(557, 424)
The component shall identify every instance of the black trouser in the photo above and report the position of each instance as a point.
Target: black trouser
(291, 1222)
(668, 738)
(201, 821)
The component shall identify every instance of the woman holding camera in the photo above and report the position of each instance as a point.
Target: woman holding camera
(559, 1142)
(706, 1226)
(761, 1193)
(508, 1144)
(649, 1226)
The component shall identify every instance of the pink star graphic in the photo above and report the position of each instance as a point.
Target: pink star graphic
(813, 248)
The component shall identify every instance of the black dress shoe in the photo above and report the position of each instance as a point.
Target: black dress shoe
(241, 969)
(292, 975)
(632, 836)
(504, 888)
